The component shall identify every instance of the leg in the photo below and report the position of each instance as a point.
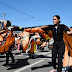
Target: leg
(66, 57)
(7, 57)
(11, 55)
(61, 51)
(54, 55)
(70, 61)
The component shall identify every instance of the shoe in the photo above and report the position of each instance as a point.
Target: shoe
(53, 70)
(65, 68)
(5, 65)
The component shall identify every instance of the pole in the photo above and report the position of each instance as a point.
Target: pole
(3, 16)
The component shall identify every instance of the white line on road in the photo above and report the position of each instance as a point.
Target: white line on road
(42, 53)
(23, 68)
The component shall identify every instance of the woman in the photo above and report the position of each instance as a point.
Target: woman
(58, 46)
(8, 42)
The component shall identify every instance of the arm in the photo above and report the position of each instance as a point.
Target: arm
(33, 30)
(69, 32)
(47, 28)
(66, 29)
(39, 29)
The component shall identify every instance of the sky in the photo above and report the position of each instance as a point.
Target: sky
(30, 13)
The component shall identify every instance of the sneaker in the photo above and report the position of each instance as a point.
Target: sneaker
(53, 70)
(65, 68)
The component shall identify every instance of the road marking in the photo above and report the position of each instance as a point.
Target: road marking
(23, 68)
(42, 53)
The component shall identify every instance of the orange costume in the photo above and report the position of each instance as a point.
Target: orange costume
(6, 40)
(67, 59)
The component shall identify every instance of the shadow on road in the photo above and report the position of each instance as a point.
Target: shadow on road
(24, 62)
(43, 66)
(19, 63)
(2, 56)
(2, 59)
(42, 56)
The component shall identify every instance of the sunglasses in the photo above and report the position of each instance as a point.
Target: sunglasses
(54, 19)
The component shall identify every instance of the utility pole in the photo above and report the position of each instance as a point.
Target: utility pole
(11, 21)
(3, 16)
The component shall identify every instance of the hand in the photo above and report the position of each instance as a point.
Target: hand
(69, 32)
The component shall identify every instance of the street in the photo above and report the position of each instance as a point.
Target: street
(42, 63)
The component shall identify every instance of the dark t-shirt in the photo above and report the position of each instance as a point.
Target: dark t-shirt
(57, 33)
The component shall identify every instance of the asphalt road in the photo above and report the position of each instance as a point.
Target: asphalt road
(42, 63)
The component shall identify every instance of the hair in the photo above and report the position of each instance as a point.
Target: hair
(71, 27)
(15, 35)
(58, 17)
(8, 23)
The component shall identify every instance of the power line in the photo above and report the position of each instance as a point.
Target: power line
(21, 19)
(16, 9)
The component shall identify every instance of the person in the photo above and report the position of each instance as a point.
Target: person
(71, 27)
(58, 45)
(70, 69)
(7, 24)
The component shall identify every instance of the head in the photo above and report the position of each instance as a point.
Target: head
(56, 19)
(7, 23)
(71, 28)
